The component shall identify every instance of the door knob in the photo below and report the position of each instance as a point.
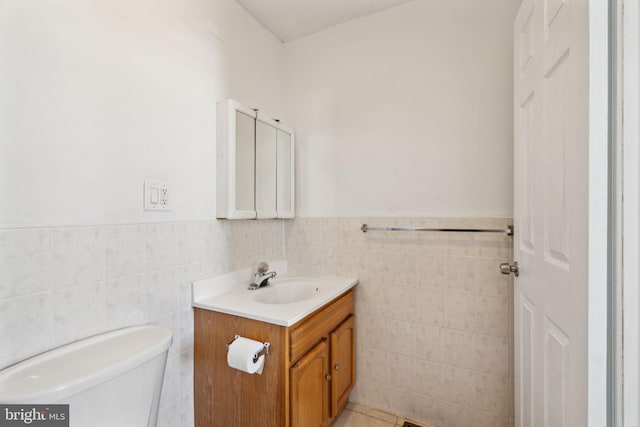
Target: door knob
(328, 377)
(508, 268)
(337, 366)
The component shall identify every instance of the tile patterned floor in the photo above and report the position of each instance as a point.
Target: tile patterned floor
(356, 415)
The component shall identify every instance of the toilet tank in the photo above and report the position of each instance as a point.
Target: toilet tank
(112, 379)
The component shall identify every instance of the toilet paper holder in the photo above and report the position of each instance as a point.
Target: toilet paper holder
(265, 348)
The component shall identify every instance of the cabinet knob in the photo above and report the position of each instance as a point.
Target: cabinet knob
(337, 366)
(328, 377)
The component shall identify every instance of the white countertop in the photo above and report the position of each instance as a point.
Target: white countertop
(228, 294)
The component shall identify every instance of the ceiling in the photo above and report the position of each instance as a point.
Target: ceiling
(290, 19)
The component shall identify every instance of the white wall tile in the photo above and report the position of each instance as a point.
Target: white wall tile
(428, 379)
(489, 280)
(458, 348)
(430, 308)
(186, 329)
(26, 326)
(186, 275)
(78, 256)
(492, 355)
(190, 236)
(186, 372)
(187, 416)
(375, 366)
(424, 408)
(403, 304)
(377, 332)
(430, 270)
(401, 337)
(125, 250)
(460, 274)
(451, 414)
(171, 382)
(162, 293)
(25, 261)
(460, 311)
(492, 394)
(168, 416)
(492, 316)
(172, 322)
(79, 312)
(430, 343)
(401, 371)
(125, 301)
(477, 418)
(432, 302)
(458, 385)
(161, 246)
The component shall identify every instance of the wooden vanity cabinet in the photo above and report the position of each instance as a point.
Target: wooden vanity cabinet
(306, 380)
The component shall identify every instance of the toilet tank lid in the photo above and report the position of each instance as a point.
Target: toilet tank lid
(68, 370)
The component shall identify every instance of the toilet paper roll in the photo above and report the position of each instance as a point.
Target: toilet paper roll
(241, 353)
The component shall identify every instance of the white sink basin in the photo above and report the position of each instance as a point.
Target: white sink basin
(286, 301)
(287, 291)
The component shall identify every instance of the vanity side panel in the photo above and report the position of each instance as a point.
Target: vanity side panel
(227, 397)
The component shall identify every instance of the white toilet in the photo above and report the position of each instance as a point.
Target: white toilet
(112, 379)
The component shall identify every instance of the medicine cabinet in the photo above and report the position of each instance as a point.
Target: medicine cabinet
(255, 165)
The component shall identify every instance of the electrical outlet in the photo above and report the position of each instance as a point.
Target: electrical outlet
(157, 196)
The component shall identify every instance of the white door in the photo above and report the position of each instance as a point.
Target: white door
(551, 115)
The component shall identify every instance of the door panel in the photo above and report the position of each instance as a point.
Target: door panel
(526, 193)
(265, 170)
(343, 364)
(551, 212)
(554, 141)
(525, 364)
(556, 346)
(310, 389)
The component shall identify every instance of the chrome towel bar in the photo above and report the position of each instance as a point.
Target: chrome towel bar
(508, 231)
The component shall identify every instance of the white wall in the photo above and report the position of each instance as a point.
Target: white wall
(97, 96)
(405, 112)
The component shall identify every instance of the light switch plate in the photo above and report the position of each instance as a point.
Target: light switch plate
(157, 195)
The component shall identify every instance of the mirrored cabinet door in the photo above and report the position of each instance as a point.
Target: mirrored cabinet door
(235, 161)
(245, 160)
(285, 172)
(265, 170)
(254, 166)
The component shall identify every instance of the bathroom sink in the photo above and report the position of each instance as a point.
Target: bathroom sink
(286, 301)
(287, 291)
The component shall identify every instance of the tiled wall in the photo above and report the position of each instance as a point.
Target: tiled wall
(58, 285)
(434, 315)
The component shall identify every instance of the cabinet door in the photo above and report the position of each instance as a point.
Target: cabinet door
(265, 169)
(285, 188)
(244, 161)
(342, 364)
(310, 388)
(235, 161)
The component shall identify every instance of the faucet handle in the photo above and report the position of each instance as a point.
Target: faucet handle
(263, 267)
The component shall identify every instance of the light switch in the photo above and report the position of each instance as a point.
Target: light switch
(157, 196)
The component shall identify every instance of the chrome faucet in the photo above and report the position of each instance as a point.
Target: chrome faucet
(262, 276)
